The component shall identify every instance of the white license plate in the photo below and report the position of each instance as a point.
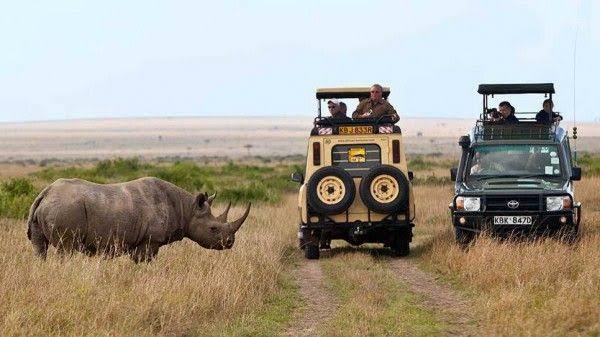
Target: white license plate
(512, 220)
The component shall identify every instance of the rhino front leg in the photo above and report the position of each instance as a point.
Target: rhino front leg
(145, 252)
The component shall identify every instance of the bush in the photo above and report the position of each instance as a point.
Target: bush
(16, 196)
(238, 183)
(590, 165)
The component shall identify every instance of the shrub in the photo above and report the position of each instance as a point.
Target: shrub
(16, 196)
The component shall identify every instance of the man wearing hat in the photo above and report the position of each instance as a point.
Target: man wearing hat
(375, 106)
(336, 111)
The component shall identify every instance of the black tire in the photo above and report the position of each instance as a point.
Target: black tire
(321, 207)
(396, 205)
(463, 237)
(401, 245)
(311, 251)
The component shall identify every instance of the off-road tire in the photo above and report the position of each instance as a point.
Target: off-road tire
(311, 251)
(342, 179)
(463, 237)
(397, 204)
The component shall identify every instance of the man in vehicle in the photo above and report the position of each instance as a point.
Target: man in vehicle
(507, 113)
(337, 111)
(547, 115)
(343, 108)
(375, 106)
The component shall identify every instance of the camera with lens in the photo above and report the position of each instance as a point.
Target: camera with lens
(493, 113)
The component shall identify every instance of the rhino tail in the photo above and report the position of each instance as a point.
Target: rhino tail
(32, 219)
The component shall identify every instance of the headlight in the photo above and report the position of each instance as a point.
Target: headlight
(558, 203)
(469, 204)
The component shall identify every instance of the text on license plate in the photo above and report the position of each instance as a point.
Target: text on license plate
(512, 220)
(355, 130)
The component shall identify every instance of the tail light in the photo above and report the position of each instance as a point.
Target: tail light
(396, 151)
(316, 153)
(325, 131)
(386, 129)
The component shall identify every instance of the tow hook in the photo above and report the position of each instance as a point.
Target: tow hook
(358, 231)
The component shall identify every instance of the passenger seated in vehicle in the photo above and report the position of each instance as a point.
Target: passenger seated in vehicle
(507, 114)
(343, 108)
(337, 110)
(375, 106)
(547, 115)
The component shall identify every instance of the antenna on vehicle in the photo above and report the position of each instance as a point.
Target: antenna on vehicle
(574, 86)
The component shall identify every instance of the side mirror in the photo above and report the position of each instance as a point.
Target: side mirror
(464, 142)
(411, 175)
(453, 172)
(298, 177)
(576, 173)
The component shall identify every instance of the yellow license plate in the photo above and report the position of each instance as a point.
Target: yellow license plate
(355, 130)
(357, 155)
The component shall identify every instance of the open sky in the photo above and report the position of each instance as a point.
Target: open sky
(83, 59)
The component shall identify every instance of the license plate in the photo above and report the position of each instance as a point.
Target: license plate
(357, 155)
(513, 220)
(355, 130)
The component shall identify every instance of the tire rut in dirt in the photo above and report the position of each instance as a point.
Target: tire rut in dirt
(451, 308)
(320, 305)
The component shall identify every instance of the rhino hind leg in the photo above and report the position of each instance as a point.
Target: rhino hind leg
(145, 252)
(39, 241)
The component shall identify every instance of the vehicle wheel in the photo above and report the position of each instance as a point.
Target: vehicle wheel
(330, 190)
(401, 245)
(311, 251)
(463, 237)
(385, 190)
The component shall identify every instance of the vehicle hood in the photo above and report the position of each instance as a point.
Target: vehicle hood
(502, 184)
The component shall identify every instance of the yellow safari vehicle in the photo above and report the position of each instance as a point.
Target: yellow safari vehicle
(356, 185)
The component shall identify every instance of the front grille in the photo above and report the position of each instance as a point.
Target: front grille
(500, 203)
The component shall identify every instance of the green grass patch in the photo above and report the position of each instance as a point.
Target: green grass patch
(238, 183)
(232, 182)
(270, 320)
(590, 165)
(420, 163)
(372, 301)
(16, 196)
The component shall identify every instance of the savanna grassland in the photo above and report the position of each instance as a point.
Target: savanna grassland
(541, 288)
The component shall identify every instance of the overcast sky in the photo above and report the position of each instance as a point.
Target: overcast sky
(83, 59)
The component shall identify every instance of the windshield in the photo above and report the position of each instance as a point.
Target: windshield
(519, 160)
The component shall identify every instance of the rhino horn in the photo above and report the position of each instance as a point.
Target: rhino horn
(238, 223)
(223, 216)
(211, 198)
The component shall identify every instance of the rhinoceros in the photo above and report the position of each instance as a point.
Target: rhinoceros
(135, 217)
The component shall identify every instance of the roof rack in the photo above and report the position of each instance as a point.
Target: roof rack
(521, 88)
(518, 88)
(349, 92)
(485, 130)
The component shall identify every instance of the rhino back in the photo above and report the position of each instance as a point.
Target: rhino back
(129, 212)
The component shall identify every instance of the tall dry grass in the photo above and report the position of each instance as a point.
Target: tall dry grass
(541, 288)
(187, 290)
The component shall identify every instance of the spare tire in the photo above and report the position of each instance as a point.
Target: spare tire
(330, 190)
(385, 190)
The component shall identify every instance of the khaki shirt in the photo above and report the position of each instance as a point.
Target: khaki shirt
(369, 109)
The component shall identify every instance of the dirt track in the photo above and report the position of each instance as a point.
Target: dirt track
(320, 305)
(445, 302)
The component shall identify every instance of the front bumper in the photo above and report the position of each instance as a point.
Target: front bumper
(542, 222)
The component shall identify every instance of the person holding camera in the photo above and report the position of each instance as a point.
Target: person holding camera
(547, 115)
(505, 114)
